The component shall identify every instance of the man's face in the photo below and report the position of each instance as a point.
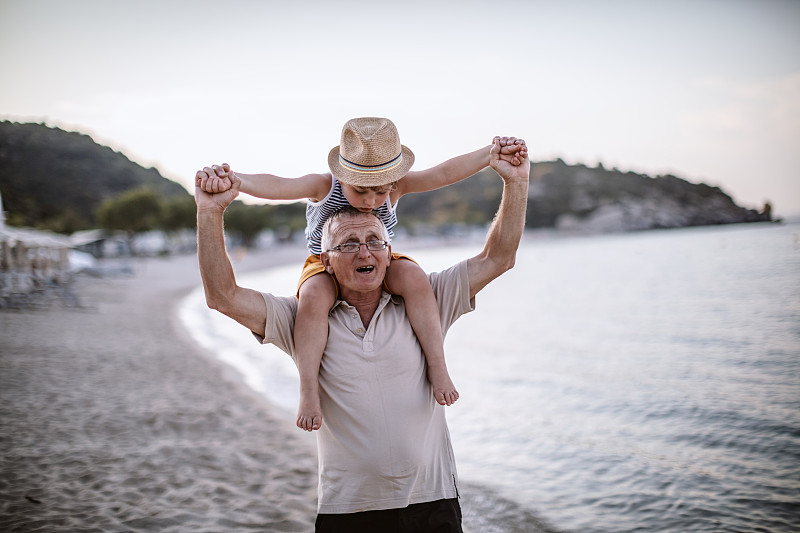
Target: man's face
(364, 270)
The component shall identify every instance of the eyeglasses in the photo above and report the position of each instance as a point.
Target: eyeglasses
(353, 247)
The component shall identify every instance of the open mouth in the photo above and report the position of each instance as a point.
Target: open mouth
(365, 269)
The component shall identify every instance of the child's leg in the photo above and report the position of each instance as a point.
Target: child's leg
(405, 278)
(316, 297)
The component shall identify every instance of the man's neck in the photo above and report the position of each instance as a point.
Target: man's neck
(366, 303)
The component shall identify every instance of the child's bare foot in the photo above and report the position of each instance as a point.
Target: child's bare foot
(443, 389)
(309, 412)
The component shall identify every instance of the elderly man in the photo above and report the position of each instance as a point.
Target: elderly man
(386, 462)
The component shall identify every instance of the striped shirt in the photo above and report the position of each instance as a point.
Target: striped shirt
(318, 212)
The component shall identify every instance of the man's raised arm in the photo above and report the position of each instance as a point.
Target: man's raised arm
(499, 252)
(245, 306)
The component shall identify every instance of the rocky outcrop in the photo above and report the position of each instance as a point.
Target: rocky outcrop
(581, 199)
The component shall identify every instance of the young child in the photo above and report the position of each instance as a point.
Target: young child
(369, 171)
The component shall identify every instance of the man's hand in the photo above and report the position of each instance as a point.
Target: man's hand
(219, 201)
(509, 158)
(216, 181)
(512, 149)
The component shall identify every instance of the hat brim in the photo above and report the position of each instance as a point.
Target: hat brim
(370, 179)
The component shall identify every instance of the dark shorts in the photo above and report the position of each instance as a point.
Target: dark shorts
(441, 516)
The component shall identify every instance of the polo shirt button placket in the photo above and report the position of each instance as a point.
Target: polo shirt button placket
(368, 346)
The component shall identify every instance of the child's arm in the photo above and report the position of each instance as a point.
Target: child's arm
(312, 186)
(268, 186)
(459, 168)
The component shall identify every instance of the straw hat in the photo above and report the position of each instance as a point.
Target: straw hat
(370, 153)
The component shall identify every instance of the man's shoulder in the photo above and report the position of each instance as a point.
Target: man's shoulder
(280, 317)
(440, 278)
(281, 311)
(287, 303)
(447, 285)
(451, 289)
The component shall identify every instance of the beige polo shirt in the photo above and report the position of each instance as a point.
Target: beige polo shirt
(384, 442)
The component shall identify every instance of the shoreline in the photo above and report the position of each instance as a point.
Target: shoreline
(115, 419)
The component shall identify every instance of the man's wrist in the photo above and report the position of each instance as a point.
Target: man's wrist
(210, 212)
(516, 179)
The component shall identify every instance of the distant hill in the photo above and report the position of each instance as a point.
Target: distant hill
(55, 179)
(581, 199)
(51, 178)
(575, 197)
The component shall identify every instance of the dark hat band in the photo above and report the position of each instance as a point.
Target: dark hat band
(382, 167)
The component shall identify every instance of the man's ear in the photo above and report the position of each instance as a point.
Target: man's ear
(326, 262)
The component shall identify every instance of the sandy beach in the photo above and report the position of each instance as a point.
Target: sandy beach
(113, 419)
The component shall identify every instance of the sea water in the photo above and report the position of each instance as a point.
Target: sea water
(634, 382)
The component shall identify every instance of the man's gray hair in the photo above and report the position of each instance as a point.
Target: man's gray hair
(344, 213)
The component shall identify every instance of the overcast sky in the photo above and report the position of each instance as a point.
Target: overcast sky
(706, 89)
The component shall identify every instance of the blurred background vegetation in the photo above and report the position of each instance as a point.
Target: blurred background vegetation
(65, 182)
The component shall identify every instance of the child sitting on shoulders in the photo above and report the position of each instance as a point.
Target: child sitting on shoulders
(369, 171)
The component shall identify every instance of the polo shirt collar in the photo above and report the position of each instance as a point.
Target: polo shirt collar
(385, 299)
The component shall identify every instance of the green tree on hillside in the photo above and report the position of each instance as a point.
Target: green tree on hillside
(247, 221)
(177, 213)
(133, 212)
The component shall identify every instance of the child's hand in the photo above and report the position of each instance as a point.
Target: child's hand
(512, 150)
(509, 165)
(220, 180)
(214, 201)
